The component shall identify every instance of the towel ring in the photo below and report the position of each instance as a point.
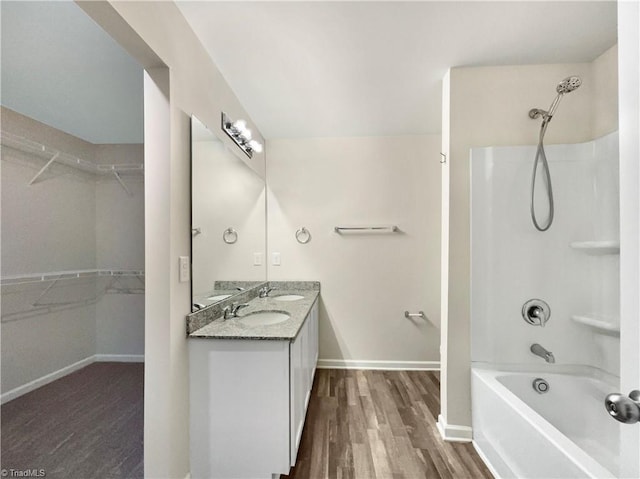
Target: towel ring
(303, 236)
(230, 236)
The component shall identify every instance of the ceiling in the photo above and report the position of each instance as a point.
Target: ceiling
(301, 69)
(324, 68)
(62, 69)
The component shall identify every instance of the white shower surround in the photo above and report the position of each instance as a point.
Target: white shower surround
(511, 262)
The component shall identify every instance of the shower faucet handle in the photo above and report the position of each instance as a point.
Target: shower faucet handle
(536, 312)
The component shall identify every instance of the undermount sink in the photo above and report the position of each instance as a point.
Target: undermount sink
(264, 318)
(219, 297)
(288, 297)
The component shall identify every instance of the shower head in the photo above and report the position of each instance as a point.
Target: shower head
(568, 85)
(565, 86)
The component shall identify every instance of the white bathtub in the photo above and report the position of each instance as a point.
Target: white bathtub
(564, 433)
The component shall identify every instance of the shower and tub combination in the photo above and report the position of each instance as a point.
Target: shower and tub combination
(545, 304)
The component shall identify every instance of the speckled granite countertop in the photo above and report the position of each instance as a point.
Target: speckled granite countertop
(287, 330)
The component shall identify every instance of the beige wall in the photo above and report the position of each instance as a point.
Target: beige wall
(488, 106)
(368, 281)
(604, 71)
(158, 36)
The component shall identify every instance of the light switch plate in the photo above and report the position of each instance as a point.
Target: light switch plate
(275, 259)
(257, 259)
(185, 272)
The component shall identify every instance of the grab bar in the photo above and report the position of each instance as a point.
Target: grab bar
(376, 229)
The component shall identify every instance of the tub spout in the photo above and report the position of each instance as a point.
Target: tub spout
(543, 353)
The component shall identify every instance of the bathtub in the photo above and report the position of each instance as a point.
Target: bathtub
(564, 433)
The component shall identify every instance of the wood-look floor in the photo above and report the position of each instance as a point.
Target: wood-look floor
(379, 425)
(86, 425)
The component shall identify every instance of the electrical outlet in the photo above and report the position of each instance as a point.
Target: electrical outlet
(185, 272)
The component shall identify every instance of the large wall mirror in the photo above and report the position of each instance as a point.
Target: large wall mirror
(228, 221)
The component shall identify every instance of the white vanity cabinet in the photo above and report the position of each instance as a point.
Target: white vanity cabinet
(248, 402)
(303, 359)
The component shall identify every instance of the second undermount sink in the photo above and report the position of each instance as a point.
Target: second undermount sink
(288, 297)
(219, 297)
(264, 318)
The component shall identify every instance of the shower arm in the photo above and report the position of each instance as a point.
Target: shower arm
(554, 105)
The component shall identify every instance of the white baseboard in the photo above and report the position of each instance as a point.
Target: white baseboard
(46, 379)
(454, 433)
(36, 383)
(119, 358)
(382, 365)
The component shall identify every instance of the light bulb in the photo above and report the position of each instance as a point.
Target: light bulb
(247, 134)
(255, 146)
(240, 126)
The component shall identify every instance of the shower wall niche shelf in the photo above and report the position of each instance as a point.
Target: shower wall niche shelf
(52, 155)
(597, 247)
(600, 324)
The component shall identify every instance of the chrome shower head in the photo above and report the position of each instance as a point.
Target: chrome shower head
(568, 85)
(565, 86)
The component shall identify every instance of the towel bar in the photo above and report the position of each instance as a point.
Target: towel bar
(419, 314)
(365, 229)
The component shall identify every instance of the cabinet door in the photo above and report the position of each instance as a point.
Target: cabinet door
(297, 392)
(306, 362)
(313, 342)
(239, 408)
(303, 359)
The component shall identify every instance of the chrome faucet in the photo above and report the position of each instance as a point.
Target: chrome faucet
(232, 311)
(543, 353)
(536, 312)
(539, 315)
(264, 292)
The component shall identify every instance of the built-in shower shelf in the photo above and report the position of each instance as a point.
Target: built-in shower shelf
(597, 247)
(600, 324)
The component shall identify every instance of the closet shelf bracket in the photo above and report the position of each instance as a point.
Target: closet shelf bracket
(124, 187)
(44, 168)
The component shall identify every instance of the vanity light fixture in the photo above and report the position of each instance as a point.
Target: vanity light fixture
(241, 135)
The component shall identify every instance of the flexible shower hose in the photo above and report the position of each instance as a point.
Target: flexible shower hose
(540, 154)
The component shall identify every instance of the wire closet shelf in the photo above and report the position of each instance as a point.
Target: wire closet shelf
(26, 145)
(73, 274)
